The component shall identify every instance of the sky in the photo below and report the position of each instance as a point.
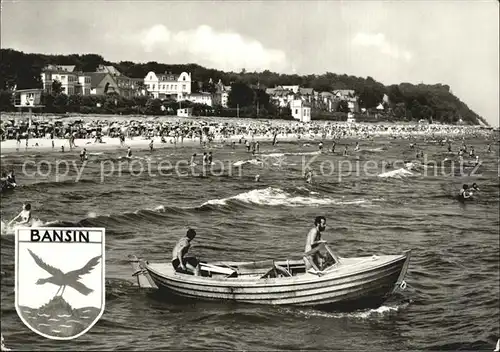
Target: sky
(448, 42)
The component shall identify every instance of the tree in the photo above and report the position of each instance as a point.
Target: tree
(399, 111)
(240, 95)
(343, 106)
(153, 107)
(56, 87)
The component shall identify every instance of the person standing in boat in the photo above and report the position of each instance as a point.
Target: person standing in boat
(179, 255)
(313, 237)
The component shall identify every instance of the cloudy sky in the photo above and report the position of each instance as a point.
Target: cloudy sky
(449, 42)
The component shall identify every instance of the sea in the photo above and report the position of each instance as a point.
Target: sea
(451, 301)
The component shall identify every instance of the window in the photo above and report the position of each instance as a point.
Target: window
(184, 78)
(154, 86)
(183, 87)
(296, 111)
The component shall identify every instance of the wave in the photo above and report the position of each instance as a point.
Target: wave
(294, 197)
(399, 173)
(278, 155)
(250, 161)
(6, 229)
(382, 311)
(61, 183)
(277, 197)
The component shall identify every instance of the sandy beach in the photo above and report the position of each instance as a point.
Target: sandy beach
(310, 132)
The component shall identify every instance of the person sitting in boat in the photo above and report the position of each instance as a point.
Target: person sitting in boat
(313, 239)
(25, 215)
(180, 261)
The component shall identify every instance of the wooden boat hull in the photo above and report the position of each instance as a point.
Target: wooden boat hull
(364, 282)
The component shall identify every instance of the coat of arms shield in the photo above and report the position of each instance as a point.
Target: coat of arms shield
(60, 280)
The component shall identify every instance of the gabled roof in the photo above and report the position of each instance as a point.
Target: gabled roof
(306, 91)
(344, 92)
(326, 94)
(108, 69)
(167, 77)
(97, 77)
(69, 68)
(59, 68)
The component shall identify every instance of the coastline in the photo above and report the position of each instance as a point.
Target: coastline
(45, 144)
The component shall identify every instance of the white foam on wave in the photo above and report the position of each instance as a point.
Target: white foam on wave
(375, 150)
(5, 229)
(399, 173)
(159, 208)
(365, 314)
(250, 161)
(318, 152)
(273, 155)
(96, 153)
(275, 197)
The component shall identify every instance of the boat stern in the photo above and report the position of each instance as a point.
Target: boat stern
(400, 284)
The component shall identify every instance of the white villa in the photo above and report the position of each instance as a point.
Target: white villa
(72, 82)
(300, 110)
(199, 98)
(163, 85)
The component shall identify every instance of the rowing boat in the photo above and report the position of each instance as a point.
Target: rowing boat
(333, 283)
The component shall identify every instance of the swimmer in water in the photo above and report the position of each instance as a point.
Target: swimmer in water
(471, 152)
(464, 193)
(129, 153)
(475, 188)
(25, 215)
(11, 178)
(345, 151)
(356, 148)
(320, 146)
(333, 147)
(193, 158)
(257, 178)
(308, 176)
(151, 145)
(83, 155)
(205, 159)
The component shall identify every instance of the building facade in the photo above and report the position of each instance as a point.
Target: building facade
(300, 110)
(221, 96)
(168, 85)
(72, 82)
(199, 98)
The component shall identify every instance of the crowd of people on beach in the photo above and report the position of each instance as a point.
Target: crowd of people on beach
(192, 128)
